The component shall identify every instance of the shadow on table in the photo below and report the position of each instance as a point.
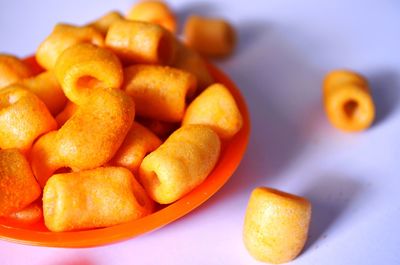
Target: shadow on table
(80, 261)
(331, 196)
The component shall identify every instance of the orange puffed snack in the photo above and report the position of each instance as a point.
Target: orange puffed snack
(159, 91)
(83, 67)
(47, 88)
(29, 215)
(18, 186)
(23, 118)
(216, 108)
(180, 164)
(103, 24)
(66, 113)
(276, 225)
(138, 142)
(160, 128)
(347, 100)
(141, 42)
(210, 36)
(12, 70)
(189, 60)
(89, 139)
(63, 37)
(156, 12)
(93, 198)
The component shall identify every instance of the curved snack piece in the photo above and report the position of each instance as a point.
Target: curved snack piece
(189, 60)
(89, 139)
(47, 88)
(94, 198)
(18, 186)
(216, 108)
(12, 70)
(276, 225)
(67, 113)
(138, 142)
(23, 118)
(141, 42)
(63, 37)
(103, 23)
(156, 12)
(347, 100)
(83, 67)
(29, 215)
(180, 164)
(159, 91)
(210, 36)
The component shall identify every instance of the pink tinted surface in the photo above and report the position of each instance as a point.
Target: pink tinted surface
(285, 49)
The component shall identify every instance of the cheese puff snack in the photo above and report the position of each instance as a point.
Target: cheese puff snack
(12, 70)
(63, 37)
(103, 24)
(180, 164)
(93, 198)
(29, 215)
(23, 118)
(153, 11)
(89, 139)
(83, 67)
(159, 91)
(18, 186)
(67, 113)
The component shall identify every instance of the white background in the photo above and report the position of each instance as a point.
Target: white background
(285, 48)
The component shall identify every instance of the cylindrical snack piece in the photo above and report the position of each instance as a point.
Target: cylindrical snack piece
(66, 113)
(189, 60)
(141, 42)
(47, 88)
(18, 186)
(94, 198)
(138, 142)
(348, 101)
(159, 91)
(89, 139)
(12, 70)
(216, 108)
(29, 215)
(83, 67)
(23, 118)
(276, 225)
(153, 11)
(103, 23)
(180, 164)
(210, 36)
(63, 37)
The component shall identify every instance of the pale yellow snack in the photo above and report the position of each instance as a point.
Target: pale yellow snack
(103, 23)
(12, 70)
(180, 164)
(141, 42)
(276, 225)
(93, 198)
(216, 108)
(63, 37)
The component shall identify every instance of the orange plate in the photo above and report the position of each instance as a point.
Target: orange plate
(230, 158)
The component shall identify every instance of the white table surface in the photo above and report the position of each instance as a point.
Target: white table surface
(285, 49)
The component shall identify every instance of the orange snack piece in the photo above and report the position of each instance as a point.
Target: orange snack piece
(347, 100)
(89, 139)
(156, 12)
(63, 37)
(18, 187)
(276, 225)
(94, 198)
(160, 128)
(141, 42)
(83, 67)
(138, 142)
(67, 113)
(47, 88)
(23, 118)
(216, 108)
(180, 164)
(12, 70)
(159, 91)
(210, 36)
(189, 60)
(29, 215)
(103, 24)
